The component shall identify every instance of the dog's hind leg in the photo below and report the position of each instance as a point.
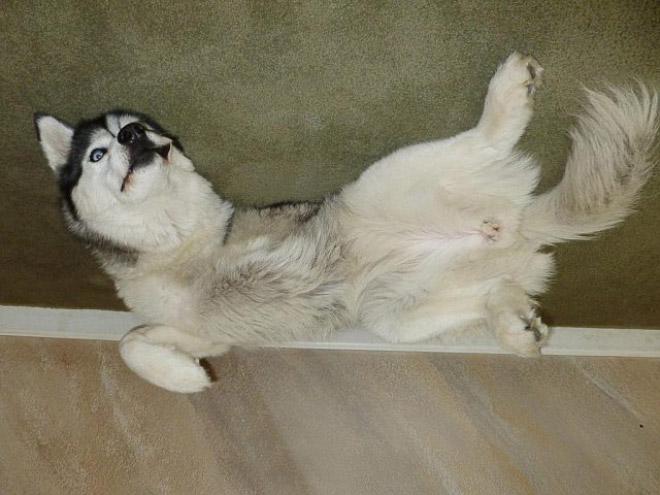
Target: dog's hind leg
(508, 105)
(470, 162)
(167, 357)
(426, 320)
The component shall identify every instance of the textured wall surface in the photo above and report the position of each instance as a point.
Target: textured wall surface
(76, 421)
(291, 100)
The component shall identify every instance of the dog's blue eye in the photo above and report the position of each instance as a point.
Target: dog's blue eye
(97, 154)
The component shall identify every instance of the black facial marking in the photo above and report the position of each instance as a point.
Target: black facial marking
(141, 153)
(70, 173)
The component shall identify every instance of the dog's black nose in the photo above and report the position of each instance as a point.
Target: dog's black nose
(130, 133)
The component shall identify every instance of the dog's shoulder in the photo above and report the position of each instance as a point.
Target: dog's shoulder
(277, 221)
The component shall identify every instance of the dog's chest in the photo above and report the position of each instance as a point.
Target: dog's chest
(161, 298)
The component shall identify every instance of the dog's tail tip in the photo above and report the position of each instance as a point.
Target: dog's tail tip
(614, 150)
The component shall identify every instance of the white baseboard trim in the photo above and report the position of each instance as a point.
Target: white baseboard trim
(112, 325)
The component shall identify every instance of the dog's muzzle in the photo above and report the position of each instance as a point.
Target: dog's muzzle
(141, 149)
(134, 136)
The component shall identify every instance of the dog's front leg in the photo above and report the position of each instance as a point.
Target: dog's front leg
(167, 357)
(508, 105)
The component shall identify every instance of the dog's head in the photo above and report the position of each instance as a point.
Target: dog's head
(123, 179)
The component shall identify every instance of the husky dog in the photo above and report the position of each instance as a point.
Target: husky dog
(436, 237)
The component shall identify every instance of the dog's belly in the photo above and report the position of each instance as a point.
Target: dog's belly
(446, 278)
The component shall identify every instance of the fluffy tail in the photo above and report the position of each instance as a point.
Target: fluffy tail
(611, 159)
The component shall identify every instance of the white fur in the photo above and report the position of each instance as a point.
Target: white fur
(436, 237)
(55, 139)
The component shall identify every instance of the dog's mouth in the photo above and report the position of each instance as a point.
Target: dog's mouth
(142, 161)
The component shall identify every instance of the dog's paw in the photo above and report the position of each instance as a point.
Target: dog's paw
(164, 366)
(516, 82)
(520, 76)
(508, 105)
(524, 335)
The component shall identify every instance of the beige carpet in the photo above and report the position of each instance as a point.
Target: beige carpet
(73, 420)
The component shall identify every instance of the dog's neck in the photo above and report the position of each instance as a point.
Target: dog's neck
(193, 228)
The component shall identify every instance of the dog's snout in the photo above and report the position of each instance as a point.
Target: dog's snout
(130, 133)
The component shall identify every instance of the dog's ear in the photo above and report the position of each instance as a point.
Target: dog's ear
(55, 139)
